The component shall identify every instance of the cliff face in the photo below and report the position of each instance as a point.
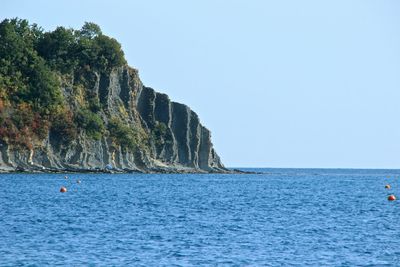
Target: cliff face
(173, 138)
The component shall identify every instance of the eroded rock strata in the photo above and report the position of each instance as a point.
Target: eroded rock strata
(173, 139)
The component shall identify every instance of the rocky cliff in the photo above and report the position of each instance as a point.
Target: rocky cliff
(171, 137)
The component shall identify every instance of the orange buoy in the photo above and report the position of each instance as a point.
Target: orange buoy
(63, 189)
(387, 186)
(391, 198)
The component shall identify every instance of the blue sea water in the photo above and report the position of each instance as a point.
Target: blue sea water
(283, 217)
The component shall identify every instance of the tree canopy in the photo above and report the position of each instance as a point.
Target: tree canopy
(30, 59)
(68, 49)
(33, 64)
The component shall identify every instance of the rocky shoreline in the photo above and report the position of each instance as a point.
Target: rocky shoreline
(121, 171)
(170, 170)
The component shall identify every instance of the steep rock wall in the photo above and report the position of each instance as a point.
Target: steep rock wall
(182, 144)
(189, 142)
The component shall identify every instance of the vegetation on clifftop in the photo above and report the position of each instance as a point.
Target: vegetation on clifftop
(34, 66)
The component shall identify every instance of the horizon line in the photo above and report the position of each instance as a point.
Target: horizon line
(322, 168)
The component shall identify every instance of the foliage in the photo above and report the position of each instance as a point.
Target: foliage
(57, 48)
(90, 30)
(128, 138)
(160, 135)
(23, 126)
(93, 102)
(23, 74)
(90, 122)
(108, 53)
(34, 63)
(64, 128)
(68, 50)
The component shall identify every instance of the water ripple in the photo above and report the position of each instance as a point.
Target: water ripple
(280, 218)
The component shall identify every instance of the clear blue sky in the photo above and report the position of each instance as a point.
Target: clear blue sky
(279, 83)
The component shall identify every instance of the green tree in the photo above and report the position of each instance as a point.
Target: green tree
(33, 63)
(58, 49)
(90, 30)
(23, 72)
(109, 53)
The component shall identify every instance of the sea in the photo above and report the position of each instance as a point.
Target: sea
(278, 217)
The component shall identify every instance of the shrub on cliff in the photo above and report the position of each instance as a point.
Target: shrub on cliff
(90, 122)
(160, 135)
(63, 127)
(128, 138)
(21, 126)
(121, 134)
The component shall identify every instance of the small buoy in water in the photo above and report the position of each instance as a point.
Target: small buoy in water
(387, 186)
(63, 189)
(391, 198)
(78, 182)
(66, 177)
